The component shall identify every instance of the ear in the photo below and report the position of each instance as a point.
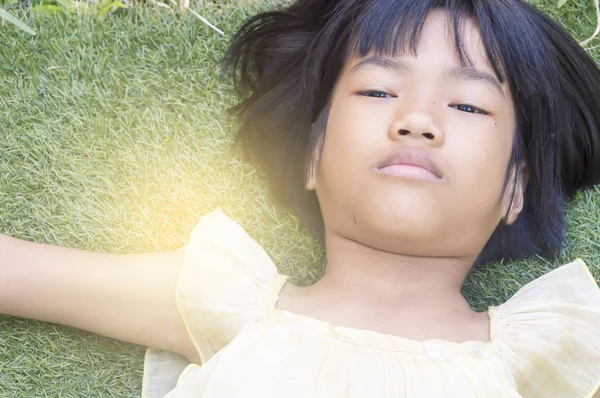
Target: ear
(516, 193)
(310, 180)
(311, 173)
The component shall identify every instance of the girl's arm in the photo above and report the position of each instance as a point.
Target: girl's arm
(130, 297)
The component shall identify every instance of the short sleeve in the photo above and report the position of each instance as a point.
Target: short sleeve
(550, 334)
(227, 281)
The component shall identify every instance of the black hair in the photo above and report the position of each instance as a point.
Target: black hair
(285, 64)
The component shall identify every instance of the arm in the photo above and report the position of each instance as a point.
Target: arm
(130, 297)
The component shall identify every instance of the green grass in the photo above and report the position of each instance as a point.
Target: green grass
(113, 138)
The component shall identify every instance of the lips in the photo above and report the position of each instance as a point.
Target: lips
(412, 157)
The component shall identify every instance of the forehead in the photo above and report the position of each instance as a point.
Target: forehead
(436, 40)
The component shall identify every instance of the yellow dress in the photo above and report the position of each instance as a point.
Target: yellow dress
(544, 343)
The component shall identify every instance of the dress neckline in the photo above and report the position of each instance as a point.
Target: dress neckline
(435, 348)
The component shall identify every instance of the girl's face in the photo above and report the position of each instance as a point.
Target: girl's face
(432, 109)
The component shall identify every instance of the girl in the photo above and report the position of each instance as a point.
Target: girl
(417, 139)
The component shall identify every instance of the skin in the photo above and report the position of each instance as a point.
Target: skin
(399, 249)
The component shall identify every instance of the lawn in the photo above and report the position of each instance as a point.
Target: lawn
(114, 138)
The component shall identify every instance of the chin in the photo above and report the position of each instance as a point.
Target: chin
(401, 227)
(404, 210)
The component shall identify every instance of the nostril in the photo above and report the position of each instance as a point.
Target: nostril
(404, 132)
(428, 136)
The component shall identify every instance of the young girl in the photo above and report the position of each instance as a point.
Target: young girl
(417, 139)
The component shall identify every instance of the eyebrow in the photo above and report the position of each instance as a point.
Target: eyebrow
(456, 72)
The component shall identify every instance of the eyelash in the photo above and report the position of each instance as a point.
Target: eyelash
(477, 110)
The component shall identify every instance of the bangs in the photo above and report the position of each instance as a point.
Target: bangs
(394, 28)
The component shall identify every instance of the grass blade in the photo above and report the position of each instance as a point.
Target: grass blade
(15, 21)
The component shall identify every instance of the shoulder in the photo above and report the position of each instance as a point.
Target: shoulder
(549, 332)
(227, 281)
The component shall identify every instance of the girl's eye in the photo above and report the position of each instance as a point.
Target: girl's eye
(469, 109)
(378, 94)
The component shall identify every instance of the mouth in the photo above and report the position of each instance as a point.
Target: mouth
(411, 163)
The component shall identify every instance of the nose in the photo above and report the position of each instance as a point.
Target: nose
(417, 126)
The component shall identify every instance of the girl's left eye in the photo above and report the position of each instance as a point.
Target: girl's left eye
(469, 109)
(368, 92)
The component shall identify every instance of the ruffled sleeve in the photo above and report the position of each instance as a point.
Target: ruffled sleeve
(549, 333)
(227, 281)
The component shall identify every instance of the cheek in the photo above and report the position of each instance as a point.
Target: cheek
(481, 166)
(351, 133)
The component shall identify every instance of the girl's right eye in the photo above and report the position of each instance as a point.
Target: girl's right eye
(377, 92)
